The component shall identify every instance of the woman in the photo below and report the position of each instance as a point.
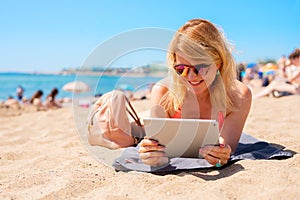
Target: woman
(203, 85)
(292, 83)
(50, 99)
(36, 99)
(20, 92)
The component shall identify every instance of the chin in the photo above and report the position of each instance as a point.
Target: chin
(199, 90)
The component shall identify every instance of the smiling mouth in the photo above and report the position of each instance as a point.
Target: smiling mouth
(196, 83)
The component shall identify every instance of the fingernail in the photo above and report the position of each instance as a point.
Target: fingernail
(154, 141)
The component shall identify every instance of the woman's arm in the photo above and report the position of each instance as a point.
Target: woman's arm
(235, 120)
(150, 151)
(231, 131)
(293, 78)
(158, 92)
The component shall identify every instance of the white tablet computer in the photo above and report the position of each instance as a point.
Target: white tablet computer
(182, 137)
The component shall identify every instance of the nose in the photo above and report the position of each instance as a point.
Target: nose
(191, 76)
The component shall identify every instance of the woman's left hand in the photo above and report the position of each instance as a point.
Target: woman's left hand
(216, 155)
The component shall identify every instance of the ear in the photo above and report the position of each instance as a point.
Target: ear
(219, 65)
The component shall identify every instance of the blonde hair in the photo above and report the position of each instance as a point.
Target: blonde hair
(201, 40)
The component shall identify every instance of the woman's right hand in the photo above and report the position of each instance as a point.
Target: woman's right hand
(152, 153)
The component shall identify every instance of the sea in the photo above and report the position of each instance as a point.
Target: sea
(46, 82)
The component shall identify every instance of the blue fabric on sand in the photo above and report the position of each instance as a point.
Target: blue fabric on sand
(248, 148)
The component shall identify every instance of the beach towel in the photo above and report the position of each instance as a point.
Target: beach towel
(248, 148)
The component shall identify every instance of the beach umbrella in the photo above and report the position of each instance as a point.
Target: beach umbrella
(269, 67)
(126, 87)
(76, 86)
(251, 65)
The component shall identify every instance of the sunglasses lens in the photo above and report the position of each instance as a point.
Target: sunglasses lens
(183, 69)
(179, 69)
(202, 68)
(196, 71)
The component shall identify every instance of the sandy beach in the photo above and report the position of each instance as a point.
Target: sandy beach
(42, 156)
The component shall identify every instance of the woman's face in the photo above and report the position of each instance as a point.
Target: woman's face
(200, 81)
(296, 61)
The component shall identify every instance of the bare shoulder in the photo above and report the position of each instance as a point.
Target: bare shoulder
(244, 89)
(161, 87)
(159, 90)
(245, 93)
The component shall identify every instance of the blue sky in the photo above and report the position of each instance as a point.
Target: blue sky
(49, 35)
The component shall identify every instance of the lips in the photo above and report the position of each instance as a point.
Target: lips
(196, 83)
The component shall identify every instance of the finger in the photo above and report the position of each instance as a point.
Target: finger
(154, 158)
(204, 151)
(223, 157)
(212, 160)
(217, 149)
(216, 161)
(148, 142)
(214, 150)
(223, 154)
(221, 141)
(156, 161)
(152, 154)
(144, 149)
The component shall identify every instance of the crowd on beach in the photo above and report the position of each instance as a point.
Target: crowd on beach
(280, 78)
(51, 102)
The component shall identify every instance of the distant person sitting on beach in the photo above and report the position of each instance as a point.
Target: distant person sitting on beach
(11, 103)
(51, 101)
(291, 85)
(268, 78)
(36, 100)
(250, 73)
(282, 63)
(25, 101)
(19, 92)
(269, 74)
(240, 71)
(202, 85)
(143, 94)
